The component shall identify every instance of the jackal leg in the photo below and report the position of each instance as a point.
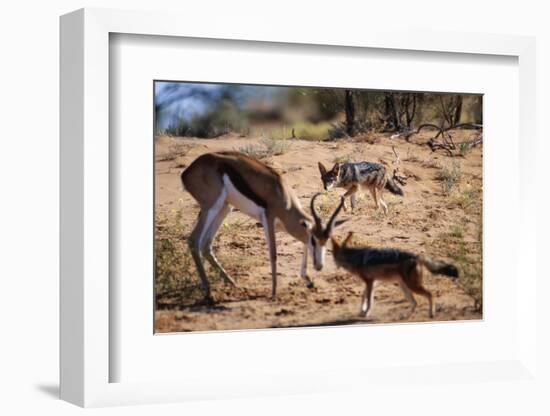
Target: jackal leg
(374, 197)
(367, 298)
(415, 284)
(378, 200)
(383, 203)
(351, 193)
(424, 292)
(353, 200)
(408, 295)
(206, 248)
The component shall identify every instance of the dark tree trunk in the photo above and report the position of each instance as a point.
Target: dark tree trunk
(410, 109)
(391, 111)
(350, 113)
(366, 104)
(458, 110)
(445, 112)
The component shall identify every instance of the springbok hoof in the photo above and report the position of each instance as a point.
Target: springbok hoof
(310, 285)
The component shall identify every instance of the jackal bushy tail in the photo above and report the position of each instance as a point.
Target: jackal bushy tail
(392, 187)
(438, 267)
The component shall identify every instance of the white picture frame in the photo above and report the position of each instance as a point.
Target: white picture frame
(85, 220)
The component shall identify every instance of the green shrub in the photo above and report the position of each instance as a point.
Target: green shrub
(450, 177)
(175, 272)
(223, 119)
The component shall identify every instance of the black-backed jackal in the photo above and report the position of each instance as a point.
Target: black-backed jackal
(352, 176)
(372, 264)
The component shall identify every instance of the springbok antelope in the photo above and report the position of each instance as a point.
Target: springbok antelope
(223, 180)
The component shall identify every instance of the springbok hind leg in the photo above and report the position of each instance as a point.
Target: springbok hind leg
(206, 248)
(198, 236)
(194, 242)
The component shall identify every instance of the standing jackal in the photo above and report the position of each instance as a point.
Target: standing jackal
(352, 176)
(372, 264)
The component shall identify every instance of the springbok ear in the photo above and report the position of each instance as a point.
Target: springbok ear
(322, 169)
(338, 223)
(306, 224)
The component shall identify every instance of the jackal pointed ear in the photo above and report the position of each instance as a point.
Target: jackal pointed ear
(306, 224)
(322, 169)
(336, 168)
(348, 239)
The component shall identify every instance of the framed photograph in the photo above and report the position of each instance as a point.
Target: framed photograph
(268, 205)
(257, 150)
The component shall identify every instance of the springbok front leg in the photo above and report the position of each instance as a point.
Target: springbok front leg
(303, 269)
(206, 248)
(268, 223)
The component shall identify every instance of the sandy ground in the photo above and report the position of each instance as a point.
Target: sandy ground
(417, 222)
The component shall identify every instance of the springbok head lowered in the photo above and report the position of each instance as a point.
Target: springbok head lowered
(320, 235)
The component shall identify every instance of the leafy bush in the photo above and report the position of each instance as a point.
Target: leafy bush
(464, 149)
(339, 130)
(224, 118)
(470, 269)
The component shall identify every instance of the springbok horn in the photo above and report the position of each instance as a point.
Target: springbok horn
(314, 211)
(336, 212)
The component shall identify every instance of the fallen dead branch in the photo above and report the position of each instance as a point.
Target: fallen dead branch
(446, 144)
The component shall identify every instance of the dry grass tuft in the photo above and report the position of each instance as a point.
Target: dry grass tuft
(467, 257)
(450, 177)
(176, 280)
(267, 147)
(174, 152)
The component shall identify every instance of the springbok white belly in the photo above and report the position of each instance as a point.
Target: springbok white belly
(241, 202)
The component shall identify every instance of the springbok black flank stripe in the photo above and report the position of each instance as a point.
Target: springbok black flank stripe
(241, 184)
